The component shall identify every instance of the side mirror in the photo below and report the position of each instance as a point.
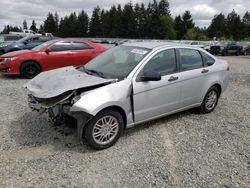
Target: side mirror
(149, 76)
(47, 51)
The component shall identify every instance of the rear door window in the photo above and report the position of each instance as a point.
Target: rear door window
(208, 60)
(190, 59)
(61, 46)
(81, 46)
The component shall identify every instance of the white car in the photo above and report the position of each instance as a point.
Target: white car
(127, 85)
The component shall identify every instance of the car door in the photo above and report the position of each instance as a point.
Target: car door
(192, 73)
(59, 55)
(155, 98)
(82, 53)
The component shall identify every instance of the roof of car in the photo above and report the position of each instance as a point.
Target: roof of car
(152, 45)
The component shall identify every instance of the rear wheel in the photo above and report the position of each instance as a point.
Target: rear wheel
(30, 69)
(210, 100)
(104, 129)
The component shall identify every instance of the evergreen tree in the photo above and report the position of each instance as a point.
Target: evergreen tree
(9, 28)
(246, 24)
(128, 22)
(164, 8)
(187, 20)
(41, 29)
(33, 26)
(56, 18)
(234, 24)
(50, 24)
(217, 27)
(82, 24)
(179, 27)
(25, 25)
(95, 24)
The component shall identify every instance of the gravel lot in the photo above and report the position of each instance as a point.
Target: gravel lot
(183, 150)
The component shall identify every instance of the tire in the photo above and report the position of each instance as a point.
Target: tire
(237, 53)
(207, 107)
(30, 69)
(102, 132)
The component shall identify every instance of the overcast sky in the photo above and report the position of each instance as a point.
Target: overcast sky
(13, 12)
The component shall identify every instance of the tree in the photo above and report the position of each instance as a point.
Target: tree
(50, 24)
(25, 25)
(33, 26)
(154, 21)
(41, 29)
(9, 28)
(82, 24)
(95, 24)
(179, 27)
(164, 8)
(246, 24)
(128, 21)
(217, 28)
(56, 18)
(234, 24)
(187, 20)
(167, 28)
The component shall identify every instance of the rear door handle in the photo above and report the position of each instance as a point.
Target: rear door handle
(173, 78)
(204, 71)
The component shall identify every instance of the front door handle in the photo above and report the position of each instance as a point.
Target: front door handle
(204, 71)
(173, 78)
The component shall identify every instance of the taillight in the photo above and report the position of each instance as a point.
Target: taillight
(228, 68)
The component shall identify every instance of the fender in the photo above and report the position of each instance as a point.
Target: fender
(115, 94)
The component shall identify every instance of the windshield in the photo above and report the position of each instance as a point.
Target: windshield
(41, 46)
(22, 39)
(117, 62)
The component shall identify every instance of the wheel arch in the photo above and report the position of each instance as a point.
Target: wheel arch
(118, 109)
(30, 60)
(218, 86)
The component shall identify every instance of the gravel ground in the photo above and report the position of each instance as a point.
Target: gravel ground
(183, 150)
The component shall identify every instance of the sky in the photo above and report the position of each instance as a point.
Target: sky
(13, 12)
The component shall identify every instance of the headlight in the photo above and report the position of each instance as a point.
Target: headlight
(9, 59)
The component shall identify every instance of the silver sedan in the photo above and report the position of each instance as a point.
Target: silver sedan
(127, 85)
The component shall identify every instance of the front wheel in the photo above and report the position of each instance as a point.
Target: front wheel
(104, 129)
(30, 69)
(210, 100)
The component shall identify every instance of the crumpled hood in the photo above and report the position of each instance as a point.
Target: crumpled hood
(53, 83)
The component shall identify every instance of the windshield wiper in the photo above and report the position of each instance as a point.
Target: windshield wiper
(91, 72)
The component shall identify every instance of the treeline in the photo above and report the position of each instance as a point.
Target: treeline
(153, 21)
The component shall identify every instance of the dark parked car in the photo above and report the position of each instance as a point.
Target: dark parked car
(9, 38)
(217, 49)
(25, 43)
(246, 50)
(230, 49)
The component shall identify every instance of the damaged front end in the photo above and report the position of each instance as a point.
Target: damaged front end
(55, 92)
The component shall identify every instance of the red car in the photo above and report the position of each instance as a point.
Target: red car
(49, 55)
